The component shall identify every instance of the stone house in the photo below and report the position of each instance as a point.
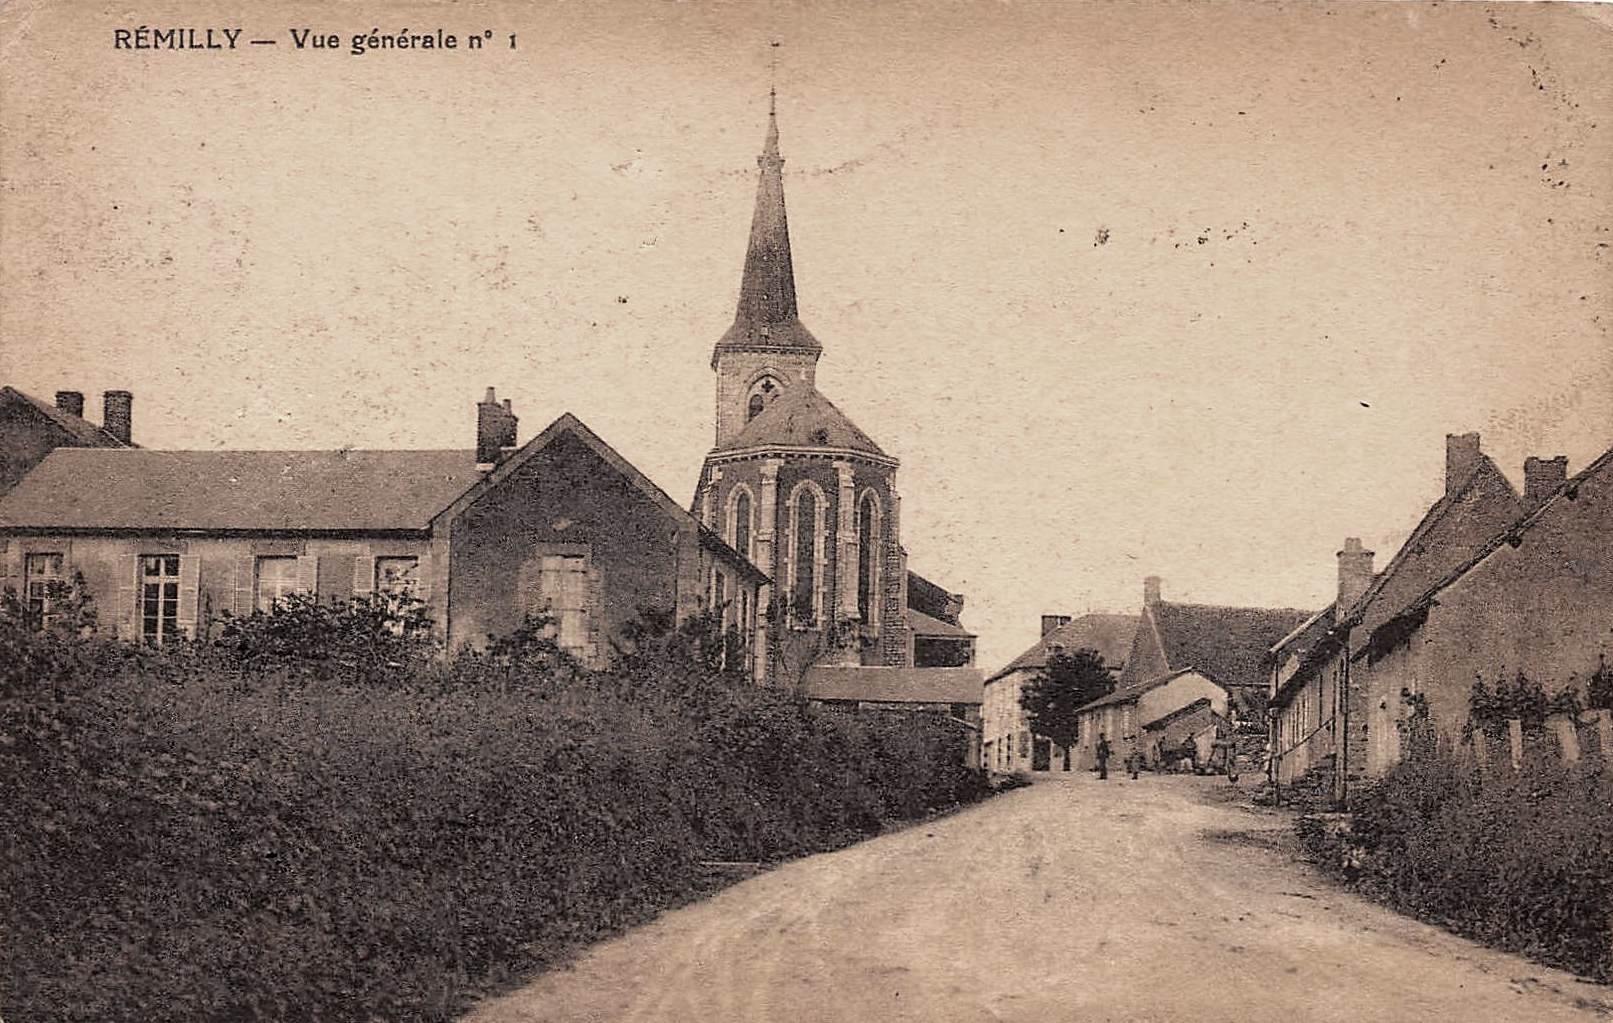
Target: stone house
(1537, 598)
(168, 541)
(1330, 703)
(1008, 743)
(1147, 716)
(1230, 645)
(31, 429)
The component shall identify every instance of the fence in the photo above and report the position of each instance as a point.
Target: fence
(1568, 736)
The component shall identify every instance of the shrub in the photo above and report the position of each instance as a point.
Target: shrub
(238, 831)
(1522, 860)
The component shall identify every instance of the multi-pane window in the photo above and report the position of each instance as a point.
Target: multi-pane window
(42, 572)
(563, 588)
(159, 598)
(276, 578)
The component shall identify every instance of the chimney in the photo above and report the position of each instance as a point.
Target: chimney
(495, 429)
(1355, 575)
(1052, 622)
(1541, 478)
(71, 402)
(117, 415)
(1461, 458)
(1151, 590)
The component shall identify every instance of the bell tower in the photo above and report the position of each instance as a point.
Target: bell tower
(767, 351)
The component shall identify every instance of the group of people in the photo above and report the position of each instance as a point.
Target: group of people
(1223, 755)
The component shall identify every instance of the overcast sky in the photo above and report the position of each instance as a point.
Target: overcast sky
(1333, 235)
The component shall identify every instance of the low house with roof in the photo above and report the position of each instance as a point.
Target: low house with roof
(1537, 597)
(168, 541)
(1153, 717)
(1332, 712)
(1008, 743)
(30, 429)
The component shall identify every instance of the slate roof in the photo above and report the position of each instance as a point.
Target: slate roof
(1228, 643)
(1109, 634)
(79, 428)
(892, 685)
(802, 418)
(138, 488)
(926, 625)
(1129, 693)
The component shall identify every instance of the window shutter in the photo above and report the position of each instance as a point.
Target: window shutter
(422, 575)
(244, 566)
(128, 606)
(5, 565)
(308, 574)
(363, 574)
(190, 577)
(595, 612)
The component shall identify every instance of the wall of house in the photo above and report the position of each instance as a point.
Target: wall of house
(217, 574)
(1544, 607)
(566, 499)
(1307, 728)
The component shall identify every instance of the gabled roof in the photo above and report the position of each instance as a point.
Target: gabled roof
(1484, 471)
(1228, 643)
(79, 428)
(1130, 693)
(1411, 617)
(139, 488)
(892, 684)
(802, 418)
(1109, 634)
(1198, 705)
(570, 425)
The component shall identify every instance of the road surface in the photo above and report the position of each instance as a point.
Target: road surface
(1072, 900)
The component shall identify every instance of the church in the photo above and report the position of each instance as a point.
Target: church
(811, 499)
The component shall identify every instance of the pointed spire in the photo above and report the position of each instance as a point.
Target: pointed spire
(766, 316)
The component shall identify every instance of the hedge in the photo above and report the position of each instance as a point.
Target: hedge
(210, 833)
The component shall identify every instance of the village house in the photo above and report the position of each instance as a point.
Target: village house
(1009, 744)
(1186, 644)
(30, 429)
(167, 542)
(1334, 718)
(1536, 598)
(1155, 718)
(797, 487)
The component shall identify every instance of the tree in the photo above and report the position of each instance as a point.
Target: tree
(1069, 682)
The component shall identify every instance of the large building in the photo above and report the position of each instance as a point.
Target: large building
(168, 542)
(796, 486)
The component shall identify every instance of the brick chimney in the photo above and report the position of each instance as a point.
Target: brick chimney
(1541, 478)
(71, 402)
(495, 429)
(1461, 458)
(1355, 574)
(1151, 590)
(1052, 622)
(117, 415)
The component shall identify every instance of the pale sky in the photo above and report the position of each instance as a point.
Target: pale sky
(1335, 233)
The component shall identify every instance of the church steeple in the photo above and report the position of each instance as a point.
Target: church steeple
(766, 318)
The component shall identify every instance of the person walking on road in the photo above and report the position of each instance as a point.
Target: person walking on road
(1103, 757)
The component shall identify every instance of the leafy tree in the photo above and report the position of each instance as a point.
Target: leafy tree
(1070, 682)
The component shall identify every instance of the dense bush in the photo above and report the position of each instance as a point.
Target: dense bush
(1522, 860)
(230, 832)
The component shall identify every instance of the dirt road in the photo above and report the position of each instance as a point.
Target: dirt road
(1072, 900)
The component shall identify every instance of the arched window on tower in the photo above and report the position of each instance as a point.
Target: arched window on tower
(762, 394)
(868, 560)
(740, 519)
(806, 527)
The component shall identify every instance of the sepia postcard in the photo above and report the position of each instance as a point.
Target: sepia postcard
(783, 511)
